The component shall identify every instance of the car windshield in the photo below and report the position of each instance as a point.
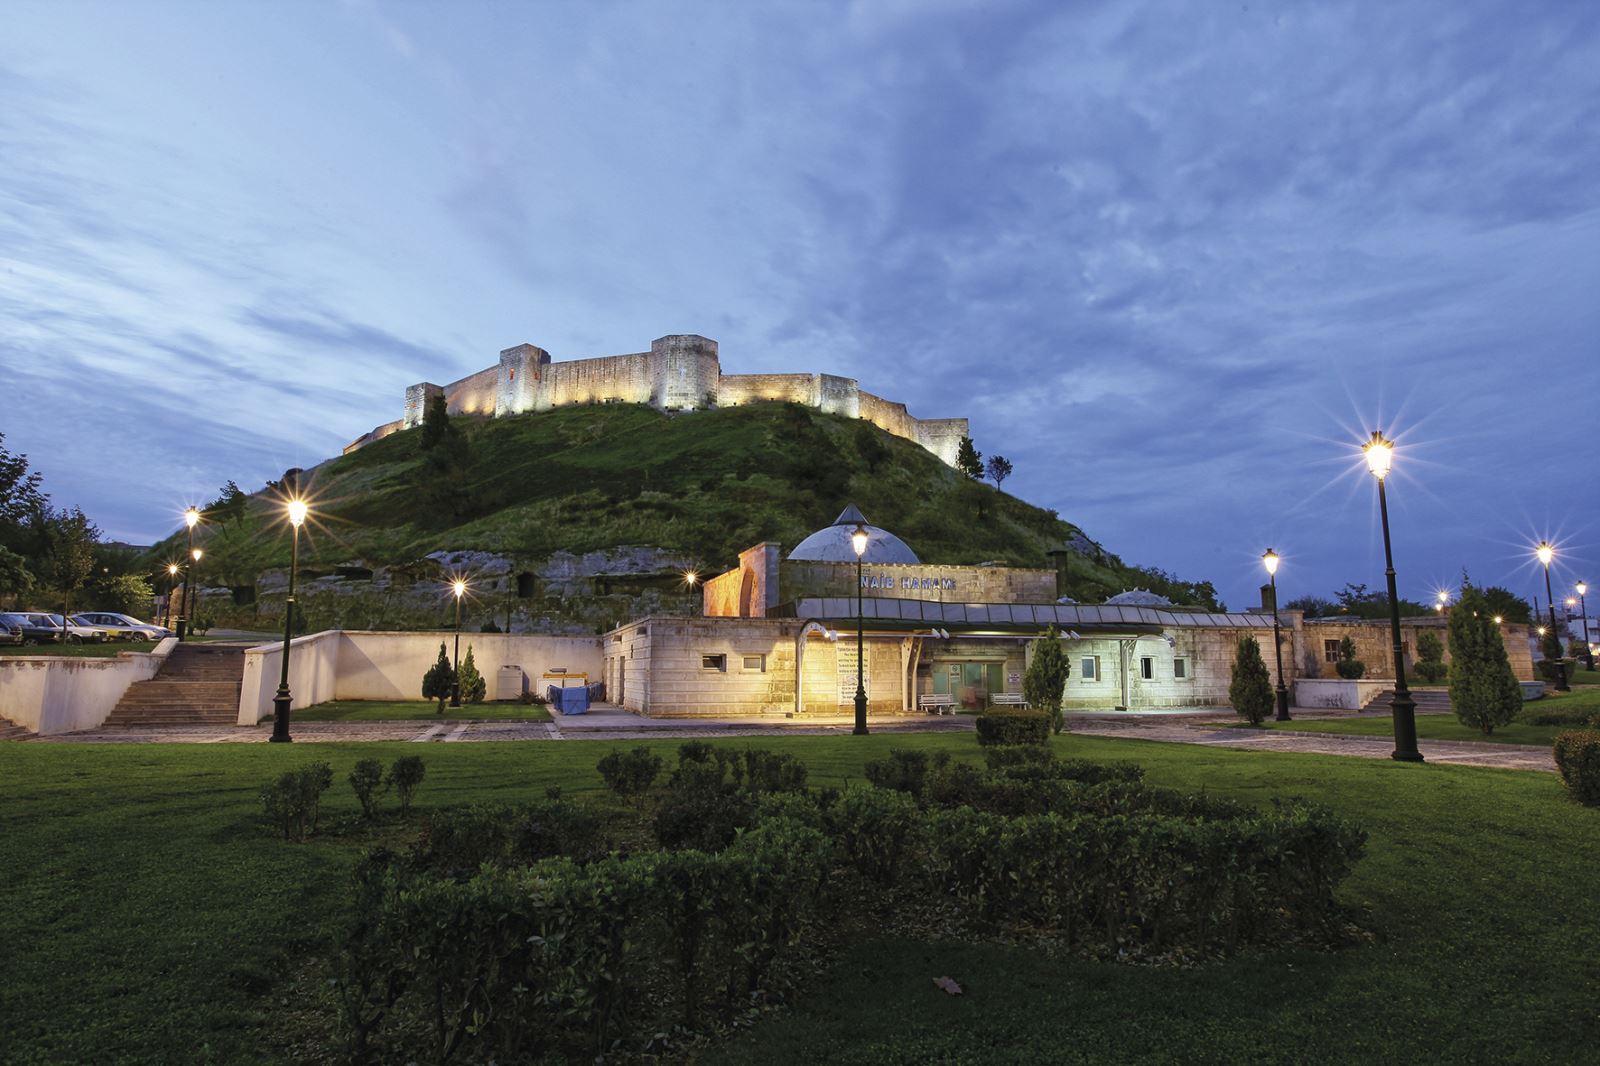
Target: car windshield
(81, 620)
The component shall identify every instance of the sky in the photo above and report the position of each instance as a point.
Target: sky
(1175, 260)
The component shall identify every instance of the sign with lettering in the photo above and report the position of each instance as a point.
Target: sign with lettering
(909, 584)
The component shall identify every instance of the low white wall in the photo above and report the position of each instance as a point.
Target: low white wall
(313, 668)
(366, 665)
(62, 693)
(1337, 692)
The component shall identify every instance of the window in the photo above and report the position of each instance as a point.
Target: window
(1147, 668)
(1180, 668)
(1330, 651)
(714, 662)
(1091, 667)
(756, 663)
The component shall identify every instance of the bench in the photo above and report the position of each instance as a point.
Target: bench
(937, 702)
(1008, 699)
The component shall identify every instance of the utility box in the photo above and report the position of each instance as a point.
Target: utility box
(508, 683)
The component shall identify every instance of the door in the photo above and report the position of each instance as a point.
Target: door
(969, 682)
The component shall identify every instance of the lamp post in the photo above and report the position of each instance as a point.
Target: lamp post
(1583, 605)
(460, 587)
(858, 541)
(1270, 561)
(1444, 600)
(280, 702)
(1546, 552)
(192, 593)
(1379, 454)
(191, 518)
(691, 578)
(172, 589)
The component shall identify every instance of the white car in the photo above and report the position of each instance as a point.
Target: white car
(122, 626)
(76, 633)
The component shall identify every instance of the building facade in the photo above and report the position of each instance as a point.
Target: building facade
(681, 372)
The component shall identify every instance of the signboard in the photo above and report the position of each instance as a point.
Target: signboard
(1013, 680)
(918, 584)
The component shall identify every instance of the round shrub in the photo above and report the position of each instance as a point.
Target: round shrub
(1578, 759)
(1000, 726)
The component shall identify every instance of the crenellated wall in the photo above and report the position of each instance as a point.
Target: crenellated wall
(680, 372)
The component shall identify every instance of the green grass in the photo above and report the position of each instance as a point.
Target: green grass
(82, 651)
(150, 918)
(410, 710)
(1448, 727)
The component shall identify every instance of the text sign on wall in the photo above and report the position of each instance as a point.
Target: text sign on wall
(918, 584)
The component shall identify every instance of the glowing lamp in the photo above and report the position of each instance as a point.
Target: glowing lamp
(172, 569)
(460, 586)
(1583, 588)
(1572, 601)
(191, 517)
(1380, 455)
(1541, 631)
(297, 512)
(858, 540)
(1270, 561)
(1498, 619)
(197, 553)
(1545, 551)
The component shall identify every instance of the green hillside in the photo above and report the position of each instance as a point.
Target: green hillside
(706, 484)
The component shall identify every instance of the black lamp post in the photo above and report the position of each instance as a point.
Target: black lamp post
(460, 588)
(691, 578)
(280, 701)
(858, 541)
(191, 518)
(1270, 561)
(1547, 551)
(191, 591)
(1380, 456)
(1583, 605)
(172, 589)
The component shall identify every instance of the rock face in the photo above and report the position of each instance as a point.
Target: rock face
(562, 593)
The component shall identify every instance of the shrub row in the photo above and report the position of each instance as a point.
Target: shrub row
(1012, 726)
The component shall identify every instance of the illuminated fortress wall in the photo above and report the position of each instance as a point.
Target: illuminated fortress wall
(680, 372)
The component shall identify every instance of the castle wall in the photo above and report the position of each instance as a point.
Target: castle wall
(888, 416)
(736, 389)
(473, 394)
(608, 379)
(377, 433)
(686, 373)
(838, 396)
(942, 436)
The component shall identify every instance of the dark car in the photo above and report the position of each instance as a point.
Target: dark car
(35, 629)
(10, 629)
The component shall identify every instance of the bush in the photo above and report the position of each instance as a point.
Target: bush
(1250, 691)
(1484, 691)
(405, 776)
(1349, 667)
(1004, 757)
(366, 777)
(770, 771)
(630, 774)
(907, 771)
(876, 831)
(456, 842)
(473, 687)
(704, 806)
(1578, 717)
(294, 800)
(1008, 726)
(1577, 755)
(436, 683)
(1430, 666)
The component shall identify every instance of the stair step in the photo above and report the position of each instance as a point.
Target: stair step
(197, 685)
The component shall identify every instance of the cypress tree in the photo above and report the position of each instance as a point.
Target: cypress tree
(1250, 691)
(1483, 690)
(437, 681)
(1046, 676)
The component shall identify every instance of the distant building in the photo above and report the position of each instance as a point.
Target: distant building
(678, 373)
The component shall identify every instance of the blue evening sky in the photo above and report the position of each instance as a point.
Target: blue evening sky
(1173, 259)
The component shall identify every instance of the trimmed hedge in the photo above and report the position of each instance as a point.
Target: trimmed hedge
(1578, 759)
(1583, 717)
(1008, 726)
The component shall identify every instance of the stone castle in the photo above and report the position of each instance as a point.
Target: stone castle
(678, 373)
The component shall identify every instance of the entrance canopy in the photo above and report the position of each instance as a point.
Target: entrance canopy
(1018, 617)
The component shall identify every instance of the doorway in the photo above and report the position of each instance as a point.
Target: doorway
(969, 682)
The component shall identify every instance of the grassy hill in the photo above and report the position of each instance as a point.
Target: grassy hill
(705, 484)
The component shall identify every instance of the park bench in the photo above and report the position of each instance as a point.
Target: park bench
(937, 702)
(1008, 699)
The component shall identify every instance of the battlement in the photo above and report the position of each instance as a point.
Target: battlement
(680, 372)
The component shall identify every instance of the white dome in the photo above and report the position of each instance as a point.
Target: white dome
(832, 544)
(1138, 598)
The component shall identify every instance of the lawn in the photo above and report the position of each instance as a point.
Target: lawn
(151, 918)
(1448, 727)
(410, 710)
(82, 651)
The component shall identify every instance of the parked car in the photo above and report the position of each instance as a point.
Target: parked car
(122, 626)
(10, 629)
(76, 633)
(36, 629)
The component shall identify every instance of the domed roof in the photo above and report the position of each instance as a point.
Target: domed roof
(1138, 598)
(832, 544)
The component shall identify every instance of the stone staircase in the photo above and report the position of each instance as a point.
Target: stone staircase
(10, 730)
(1428, 701)
(198, 685)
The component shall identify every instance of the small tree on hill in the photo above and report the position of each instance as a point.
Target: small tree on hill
(969, 460)
(227, 510)
(1483, 689)
(999, 468)
(870, 446)
(435, 421)
(1430, 659)
(1046, 676)
(437, 681)
(1250, 691)
(72, 556)
(473, 687)
(1350, 668)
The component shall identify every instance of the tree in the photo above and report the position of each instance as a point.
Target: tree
(1046, 676)
(1250, 691)
(228, 508)
(999, 468)
(1430, 659)
(1313, 606)
(71, 554)
(1550, 644)
(1505, 603)
(15, 578)
(20, 498)
(1349, 667)
(969, 460)
(435, 421)
(1483, 689)
(870, 446)
(437, 681)
(125, 593)
(1352, 596)
(473, 687)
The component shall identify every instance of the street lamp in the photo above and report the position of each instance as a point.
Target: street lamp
(191, 518)
(172, 588)
(691, 578)
(1546, 552)
(1583, 605)
(1444, 599)
(858, 541)
(1379, 453)
(460, 587)
(296, 510)
(191, 591)
(1270, 561)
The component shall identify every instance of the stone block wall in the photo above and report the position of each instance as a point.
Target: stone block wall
(1375, 645)
(888, 416)
(417, 397)
(685, 371)
(941, 584)
(473, 394)
(749, 590)
(942, 436)
(736, 389)
(608, 379)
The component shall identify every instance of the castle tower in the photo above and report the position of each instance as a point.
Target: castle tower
(685, 373)
(417, 397)
(520, 381)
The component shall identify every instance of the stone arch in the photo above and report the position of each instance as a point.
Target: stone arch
(747, 593)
